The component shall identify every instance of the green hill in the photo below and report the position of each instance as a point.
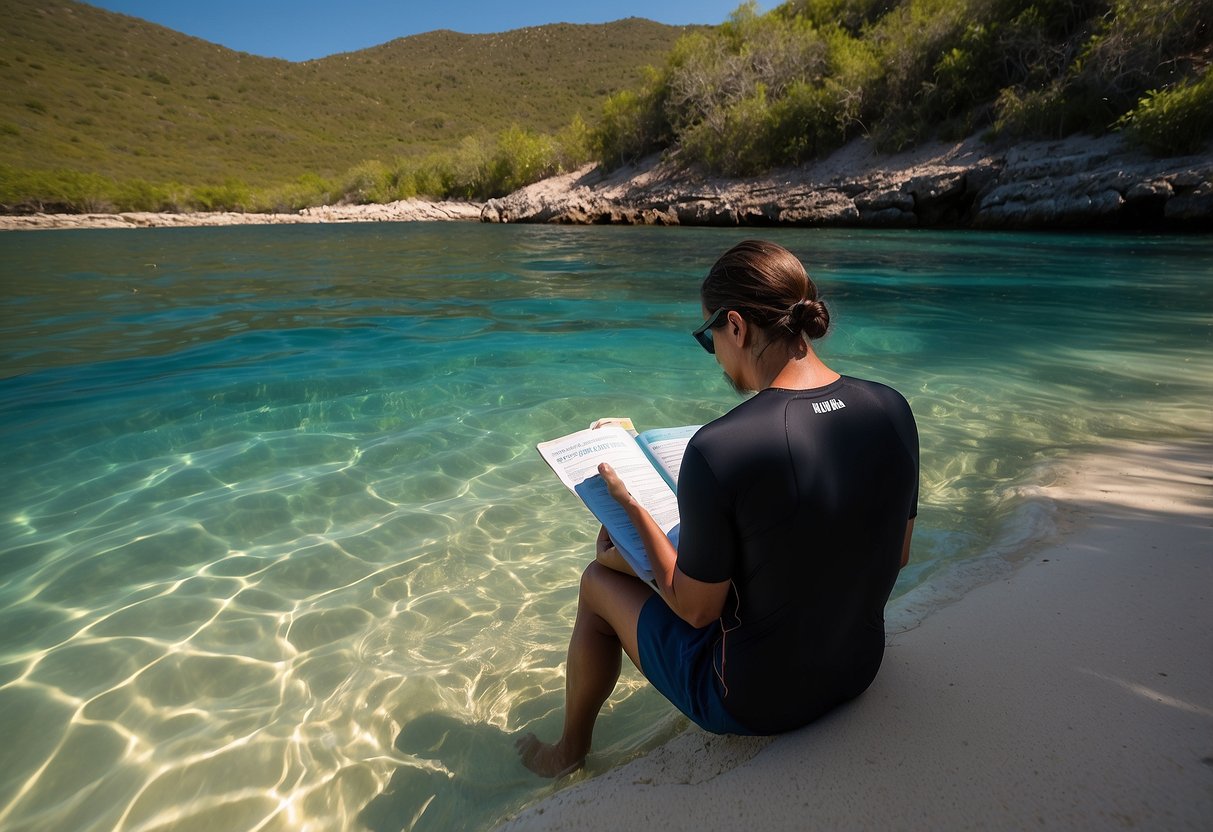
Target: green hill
(87, 91)
(103, 111)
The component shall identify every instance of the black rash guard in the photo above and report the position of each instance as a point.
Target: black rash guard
(801, 499)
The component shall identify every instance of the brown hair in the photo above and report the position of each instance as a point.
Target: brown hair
(768, 286)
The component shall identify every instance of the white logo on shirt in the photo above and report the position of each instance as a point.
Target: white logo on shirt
(828, 406)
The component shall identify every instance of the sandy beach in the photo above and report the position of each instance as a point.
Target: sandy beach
(1074, 691)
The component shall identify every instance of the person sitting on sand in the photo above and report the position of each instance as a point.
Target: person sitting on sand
(797, 509)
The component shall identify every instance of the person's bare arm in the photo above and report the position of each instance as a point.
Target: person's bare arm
(695, 602)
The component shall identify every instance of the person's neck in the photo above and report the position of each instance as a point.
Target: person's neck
(804, 372)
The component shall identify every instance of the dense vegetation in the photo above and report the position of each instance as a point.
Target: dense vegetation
(799, 81)
(100, 111)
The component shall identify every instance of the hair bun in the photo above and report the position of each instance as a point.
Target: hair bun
(768, 286)
(809, 317)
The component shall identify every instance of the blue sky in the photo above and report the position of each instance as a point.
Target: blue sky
(301, 29)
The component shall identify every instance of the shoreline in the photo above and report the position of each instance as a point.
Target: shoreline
(1071, 690)
(407, 210)
(1080, 182)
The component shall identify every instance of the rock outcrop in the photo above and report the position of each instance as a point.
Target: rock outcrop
(1079, 182)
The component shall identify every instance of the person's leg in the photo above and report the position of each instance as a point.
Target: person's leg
(608, 609)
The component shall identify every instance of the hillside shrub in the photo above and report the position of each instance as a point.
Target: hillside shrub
(735, 140)
(1043, 113)
(809, 121)
(574, 144)
(140, 195)
(716, 83)
(55, 190)
(852, 71)
(469, 168)
(1175, 121)
(851, 16)
(909, 41)
(365, 182)
(308, 190)
(427, 178)
(232, 195)
(519, 158)
(630, 127)
(481, 167)
(1141, 45)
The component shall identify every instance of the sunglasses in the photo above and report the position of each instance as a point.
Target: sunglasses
(704, 334)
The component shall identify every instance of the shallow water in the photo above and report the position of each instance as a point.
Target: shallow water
(277, 552)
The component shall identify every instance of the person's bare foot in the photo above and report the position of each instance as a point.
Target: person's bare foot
(545, 759)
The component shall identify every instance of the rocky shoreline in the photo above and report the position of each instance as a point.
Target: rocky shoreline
(1077, 182)
(409, 210)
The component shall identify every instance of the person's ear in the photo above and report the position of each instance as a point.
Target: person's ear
(736, 327)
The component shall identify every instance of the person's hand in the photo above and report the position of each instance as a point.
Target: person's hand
(604, 543)
(614, 485)
(610, 557)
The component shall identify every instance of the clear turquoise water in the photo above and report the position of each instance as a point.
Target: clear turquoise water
(277, 552)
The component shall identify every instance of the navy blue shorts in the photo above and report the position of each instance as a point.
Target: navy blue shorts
(677, 659)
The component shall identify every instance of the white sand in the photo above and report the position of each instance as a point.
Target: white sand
(1075, 692)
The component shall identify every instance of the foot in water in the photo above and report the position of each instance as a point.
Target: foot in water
(545, 759)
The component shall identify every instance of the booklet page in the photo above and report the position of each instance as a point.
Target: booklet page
(666, 447)
(575, 459)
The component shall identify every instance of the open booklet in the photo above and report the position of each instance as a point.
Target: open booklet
(647, 463)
